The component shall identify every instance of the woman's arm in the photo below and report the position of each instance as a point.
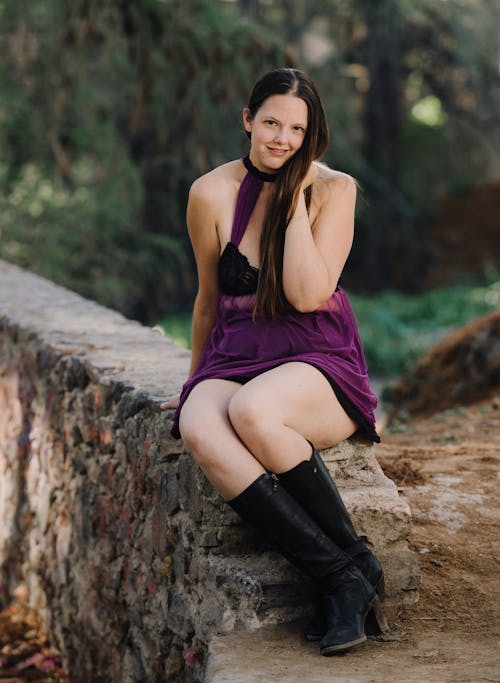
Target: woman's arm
(314, 258)
(201, 222)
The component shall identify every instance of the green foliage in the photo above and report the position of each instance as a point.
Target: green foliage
(86, 237)
(178, 328)
(109, 110)
(395, 328)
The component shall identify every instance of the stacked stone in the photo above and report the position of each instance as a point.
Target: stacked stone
(131, 558)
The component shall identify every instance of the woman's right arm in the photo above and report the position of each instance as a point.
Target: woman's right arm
(202, 228)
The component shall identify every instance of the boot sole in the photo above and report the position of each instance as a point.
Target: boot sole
(342, 647)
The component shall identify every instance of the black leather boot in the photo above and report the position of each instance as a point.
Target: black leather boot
(346, 596)
(311, 484)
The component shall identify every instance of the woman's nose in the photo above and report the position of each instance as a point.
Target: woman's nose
(280, 135)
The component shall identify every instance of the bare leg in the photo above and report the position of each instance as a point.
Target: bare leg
(207, 432)
(276, 412)
(236, 433)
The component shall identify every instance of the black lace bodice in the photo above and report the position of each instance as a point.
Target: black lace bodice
(236, 275)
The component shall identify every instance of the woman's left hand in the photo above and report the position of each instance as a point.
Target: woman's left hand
(171, 402)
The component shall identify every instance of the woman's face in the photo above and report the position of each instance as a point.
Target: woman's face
(277, 129)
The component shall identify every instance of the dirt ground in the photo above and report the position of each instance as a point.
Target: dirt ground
(447, 467)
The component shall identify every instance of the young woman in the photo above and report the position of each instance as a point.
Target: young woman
(277, 363)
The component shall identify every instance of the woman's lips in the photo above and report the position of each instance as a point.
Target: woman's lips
(277, 152)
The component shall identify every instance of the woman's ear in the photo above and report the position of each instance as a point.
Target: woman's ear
(247, 120)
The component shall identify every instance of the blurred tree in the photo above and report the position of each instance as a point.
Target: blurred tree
(109, 110)
(412, 92)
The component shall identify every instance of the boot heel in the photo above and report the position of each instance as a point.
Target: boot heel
(380, 588)
(376, 623)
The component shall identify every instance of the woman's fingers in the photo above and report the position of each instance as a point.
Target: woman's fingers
(171, 402)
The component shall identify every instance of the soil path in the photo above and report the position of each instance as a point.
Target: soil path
(448, 468)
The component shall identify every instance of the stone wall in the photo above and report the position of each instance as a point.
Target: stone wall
(131, 558)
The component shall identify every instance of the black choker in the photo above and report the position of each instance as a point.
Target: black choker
(266, 177)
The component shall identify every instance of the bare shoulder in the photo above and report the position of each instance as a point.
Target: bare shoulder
(331, 182)
(333, 191)
(215, 186)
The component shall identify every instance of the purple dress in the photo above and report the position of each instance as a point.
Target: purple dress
(240, 348)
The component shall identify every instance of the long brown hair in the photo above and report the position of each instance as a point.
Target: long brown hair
(270, 297)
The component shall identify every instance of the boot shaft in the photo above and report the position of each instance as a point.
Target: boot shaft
(270, 509)
(311, 484)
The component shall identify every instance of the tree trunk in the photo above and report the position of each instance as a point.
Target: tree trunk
(382, 144)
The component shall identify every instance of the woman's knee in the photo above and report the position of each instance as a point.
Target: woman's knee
(248, 414)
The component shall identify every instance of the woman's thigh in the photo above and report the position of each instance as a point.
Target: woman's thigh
(208, 434)
(296, 396)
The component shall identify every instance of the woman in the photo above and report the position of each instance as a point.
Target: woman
(277, 364)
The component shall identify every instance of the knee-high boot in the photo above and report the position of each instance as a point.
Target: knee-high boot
(311, 484)
(346, 596)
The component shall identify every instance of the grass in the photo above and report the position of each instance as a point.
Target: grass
(178, 328)
(395, 328)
